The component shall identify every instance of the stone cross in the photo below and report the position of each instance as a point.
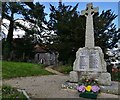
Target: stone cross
(89, 35)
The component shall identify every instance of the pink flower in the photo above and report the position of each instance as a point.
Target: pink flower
(81, 88)
(95, 88)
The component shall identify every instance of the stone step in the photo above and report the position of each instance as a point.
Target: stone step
(106, 95)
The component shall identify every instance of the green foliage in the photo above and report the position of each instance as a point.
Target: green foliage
(69, 27)
(36, 17)
(34, 14)
(23, 49)
(88, 95)
(69, 31)
(20, 69)
(116, 76)
(6, 49)
(86, 82)
(106, 34)
(9, 9)
(11, 93)
(67, 23)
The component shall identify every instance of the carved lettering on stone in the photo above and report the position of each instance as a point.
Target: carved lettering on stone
(84, 60)
(94, 60)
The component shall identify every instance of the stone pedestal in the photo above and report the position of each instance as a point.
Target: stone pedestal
(90, 63)
(74, 76)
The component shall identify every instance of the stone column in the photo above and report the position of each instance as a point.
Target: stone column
(89, 34)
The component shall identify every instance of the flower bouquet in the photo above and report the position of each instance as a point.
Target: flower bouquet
(88, 88)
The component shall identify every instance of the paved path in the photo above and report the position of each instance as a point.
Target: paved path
(47, 87)
(53, 71)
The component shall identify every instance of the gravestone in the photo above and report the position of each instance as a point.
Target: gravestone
(89, 60)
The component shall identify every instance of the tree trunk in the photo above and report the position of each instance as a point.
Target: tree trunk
(8, 44)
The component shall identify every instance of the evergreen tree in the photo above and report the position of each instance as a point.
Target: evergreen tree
(9, 9)
(69, 27)
(69, 32)
(32, 13)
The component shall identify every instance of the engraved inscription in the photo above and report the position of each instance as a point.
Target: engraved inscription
(94, 59)
(84, 59)
(83, 62)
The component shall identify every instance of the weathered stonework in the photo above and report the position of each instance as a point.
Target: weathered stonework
(84, 61)
(74, 76)
(88, 13)
(104, 79)
(89, 61)
(85, 67)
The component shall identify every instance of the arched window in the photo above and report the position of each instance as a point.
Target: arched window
(42, 61)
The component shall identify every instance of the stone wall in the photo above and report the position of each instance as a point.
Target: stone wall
(46, 58)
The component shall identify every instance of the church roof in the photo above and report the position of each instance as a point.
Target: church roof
(40, 49)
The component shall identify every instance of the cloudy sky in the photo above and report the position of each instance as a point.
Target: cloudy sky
(17, 32)
(82, 5)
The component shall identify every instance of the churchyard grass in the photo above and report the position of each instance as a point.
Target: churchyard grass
(67, 68)
(22, 69)
(64, 69)
(11, 93)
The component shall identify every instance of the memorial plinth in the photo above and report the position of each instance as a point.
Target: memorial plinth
(89, 62)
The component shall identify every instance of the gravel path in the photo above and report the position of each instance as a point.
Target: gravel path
(47, 87)
(43, 86)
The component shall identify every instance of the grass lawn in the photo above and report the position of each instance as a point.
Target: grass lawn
(11, 93)
(21, 69)
(66, 69)
(63, 69)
